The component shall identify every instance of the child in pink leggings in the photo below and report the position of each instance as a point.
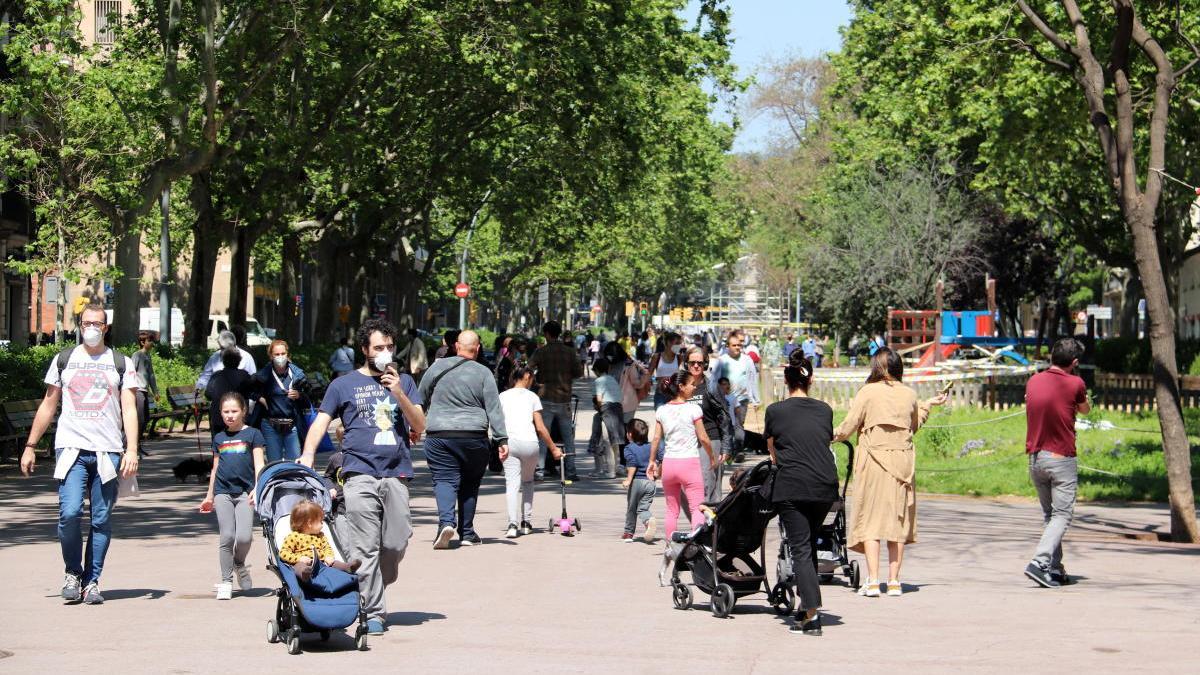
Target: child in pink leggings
(680, 426)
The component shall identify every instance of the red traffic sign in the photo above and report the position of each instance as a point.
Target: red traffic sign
(462, 290)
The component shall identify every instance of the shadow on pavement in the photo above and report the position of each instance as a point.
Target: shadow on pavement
(412, 618)
(112, 594)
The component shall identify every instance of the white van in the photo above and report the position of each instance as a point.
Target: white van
(255, 335)
(148, 318)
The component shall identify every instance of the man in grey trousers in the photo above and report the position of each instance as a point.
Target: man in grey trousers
(464, 406)
(380, 412)
(1052, 399)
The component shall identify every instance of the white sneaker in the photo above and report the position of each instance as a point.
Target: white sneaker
(895, 589)
(870, 589)
(224, 591)
(512, 531)
(648, 535)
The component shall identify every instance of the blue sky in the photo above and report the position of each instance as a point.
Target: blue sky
(765, 29)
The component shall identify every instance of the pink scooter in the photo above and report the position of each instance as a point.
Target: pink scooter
(564, 525)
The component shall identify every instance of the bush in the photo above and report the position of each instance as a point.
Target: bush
(24, 369)
(1131, 355)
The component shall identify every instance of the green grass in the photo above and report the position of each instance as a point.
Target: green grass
(987, 459)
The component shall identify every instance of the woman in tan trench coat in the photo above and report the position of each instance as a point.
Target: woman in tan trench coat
(885, 414)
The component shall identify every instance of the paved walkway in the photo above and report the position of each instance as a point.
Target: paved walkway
(544, 603)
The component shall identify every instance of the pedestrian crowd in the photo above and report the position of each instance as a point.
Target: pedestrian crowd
(519, 417)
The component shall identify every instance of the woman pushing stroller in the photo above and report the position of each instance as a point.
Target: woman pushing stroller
(799, 430)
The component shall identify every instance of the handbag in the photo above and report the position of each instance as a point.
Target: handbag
(309, 416)
(764, 502)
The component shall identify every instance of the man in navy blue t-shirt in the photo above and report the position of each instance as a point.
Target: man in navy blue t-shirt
(380, 410)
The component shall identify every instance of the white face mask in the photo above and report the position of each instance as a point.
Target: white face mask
(92, 336)
(383, 360)
(280, 361)
(675, 349)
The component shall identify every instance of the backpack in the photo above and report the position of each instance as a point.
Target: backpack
(64, 357)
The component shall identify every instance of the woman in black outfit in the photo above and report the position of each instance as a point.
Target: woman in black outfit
(799, 430)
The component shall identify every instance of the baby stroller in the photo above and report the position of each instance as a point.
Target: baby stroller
(719, 553)
(831, 552)
(301, 607)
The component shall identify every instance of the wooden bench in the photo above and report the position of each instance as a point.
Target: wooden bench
(184, 402)
(18, 420)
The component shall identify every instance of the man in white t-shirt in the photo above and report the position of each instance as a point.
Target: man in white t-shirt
(97, 437)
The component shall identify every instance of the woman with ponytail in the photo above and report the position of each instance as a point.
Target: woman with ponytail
(799, 430)
(885, 414)
(680, 425)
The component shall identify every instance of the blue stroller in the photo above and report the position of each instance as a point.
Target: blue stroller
(302, 607)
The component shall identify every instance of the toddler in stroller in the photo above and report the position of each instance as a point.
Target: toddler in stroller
(329, 599)
(306, 545)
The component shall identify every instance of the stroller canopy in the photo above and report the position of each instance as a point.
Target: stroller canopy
(282, 485)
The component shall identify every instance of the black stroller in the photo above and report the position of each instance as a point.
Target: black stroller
(831, 553)
(719, 553)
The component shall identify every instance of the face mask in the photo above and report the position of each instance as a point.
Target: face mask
(675, 349)
(280, 361)
(382, 361)
(92, 336)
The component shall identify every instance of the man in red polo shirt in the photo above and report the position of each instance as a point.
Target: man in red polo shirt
(1052, 399)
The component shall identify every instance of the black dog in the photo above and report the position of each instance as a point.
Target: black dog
(200, 468)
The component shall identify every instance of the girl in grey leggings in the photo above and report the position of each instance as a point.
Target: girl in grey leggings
(237, 459)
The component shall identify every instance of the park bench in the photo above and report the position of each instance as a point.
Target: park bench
(17, 417)
(185, 405)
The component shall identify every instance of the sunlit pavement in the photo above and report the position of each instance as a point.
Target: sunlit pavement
(591, 603)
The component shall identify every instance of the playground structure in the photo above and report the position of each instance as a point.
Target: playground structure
(939, 335)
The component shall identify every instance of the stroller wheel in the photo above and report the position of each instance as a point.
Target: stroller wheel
(722, 601)
(783, 599)
(855, 575)
(681, 595)
(272, 631)
(294, 642)
(578, 527)
(550, 526)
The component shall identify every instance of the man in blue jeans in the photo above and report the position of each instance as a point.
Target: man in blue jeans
(1052, 399)
(96, 438)
(463, 407)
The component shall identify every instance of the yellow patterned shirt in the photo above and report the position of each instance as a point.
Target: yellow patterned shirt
(299, 545)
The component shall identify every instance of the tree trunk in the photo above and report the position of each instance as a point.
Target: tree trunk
(289, 286)
(239, 276)
(1161, 331)
(1130, 295)
(324, 285)
(129, 297)
(206, 244)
